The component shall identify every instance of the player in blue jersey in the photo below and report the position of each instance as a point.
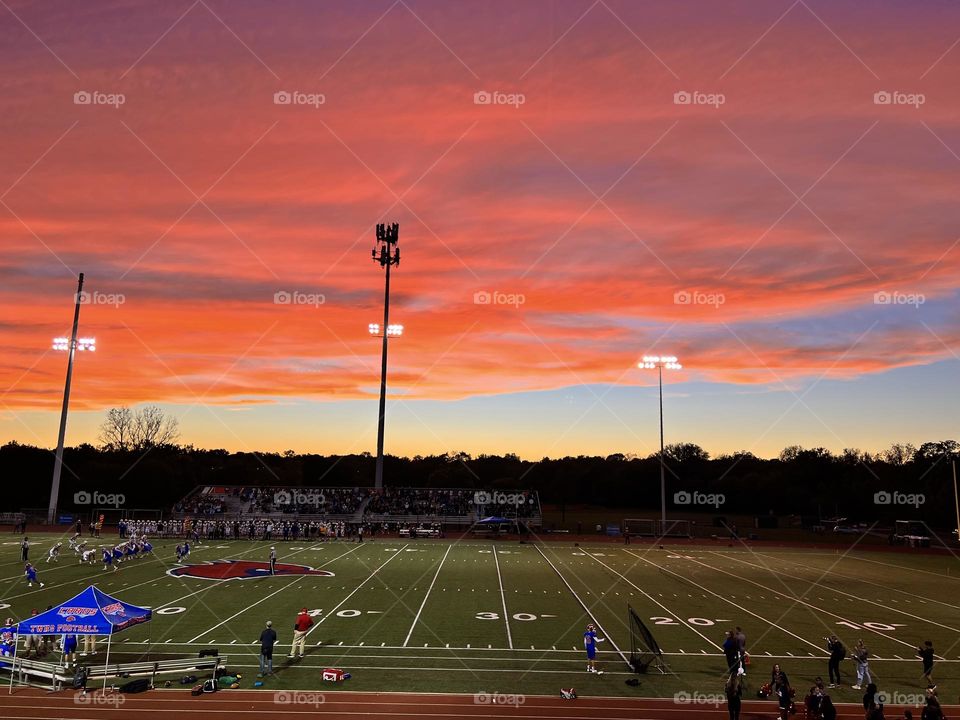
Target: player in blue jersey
(590, 641)
(108, 559)
(31, 572)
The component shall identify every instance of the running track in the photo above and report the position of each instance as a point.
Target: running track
(339, 705)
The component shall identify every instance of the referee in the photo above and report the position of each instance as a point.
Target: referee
(273, 560)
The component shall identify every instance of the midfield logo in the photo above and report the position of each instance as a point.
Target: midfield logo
(242, 570)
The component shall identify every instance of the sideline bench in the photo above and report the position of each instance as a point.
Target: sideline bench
(58, 675)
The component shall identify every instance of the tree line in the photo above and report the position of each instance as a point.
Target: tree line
(139, 456)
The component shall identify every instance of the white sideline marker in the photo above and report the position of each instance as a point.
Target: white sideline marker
(427, 596)
(503, 599)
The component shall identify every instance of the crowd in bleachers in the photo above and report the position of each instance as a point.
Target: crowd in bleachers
(381, 505)
(414, 501)
(329, 501)
(200, 504)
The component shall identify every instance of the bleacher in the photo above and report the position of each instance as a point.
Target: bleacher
(395, 507)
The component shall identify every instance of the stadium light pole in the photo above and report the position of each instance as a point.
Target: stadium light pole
(70, 347)
(387, 253)
(660, 362)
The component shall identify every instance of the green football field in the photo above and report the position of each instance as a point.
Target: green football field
(468, 616)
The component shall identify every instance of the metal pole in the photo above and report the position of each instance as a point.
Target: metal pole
(956, 500)
(106, 664)
(663, 480)
(378, 484)
(16, 649)
(58, 462)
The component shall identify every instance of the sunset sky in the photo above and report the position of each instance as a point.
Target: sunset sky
(769, 190)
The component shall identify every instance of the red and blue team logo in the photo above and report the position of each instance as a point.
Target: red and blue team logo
(114, 609)
(242, 570)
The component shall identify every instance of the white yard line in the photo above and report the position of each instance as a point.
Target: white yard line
(506, 617)
(771, 623)
(834, 573)
(658, 603)
(368, 579)
(426, 597)
(800, 601)
(940, 576)
(275, 592)
(827, 588)
(584, 606)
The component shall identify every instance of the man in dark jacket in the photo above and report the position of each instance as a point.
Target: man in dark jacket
(837, 653)
(268, 639)
(731, 651)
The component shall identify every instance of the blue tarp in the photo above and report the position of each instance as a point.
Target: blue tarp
(92, 612)
(493, 519)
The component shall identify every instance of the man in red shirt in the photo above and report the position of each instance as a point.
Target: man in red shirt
(300, 628)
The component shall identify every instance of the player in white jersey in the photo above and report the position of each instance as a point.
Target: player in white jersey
(54, 553)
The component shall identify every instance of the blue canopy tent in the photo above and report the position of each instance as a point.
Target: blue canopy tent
(493, 519)
(92, 612)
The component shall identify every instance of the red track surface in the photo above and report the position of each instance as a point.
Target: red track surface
(266, 705)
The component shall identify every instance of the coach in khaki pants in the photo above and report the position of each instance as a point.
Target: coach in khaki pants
(300, 628)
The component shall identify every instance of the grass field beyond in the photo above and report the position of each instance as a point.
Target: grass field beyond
(468, 616)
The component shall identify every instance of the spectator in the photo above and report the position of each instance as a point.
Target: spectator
(932, 710)
(784, 696)
(862, 657)
(741, 639)
(731, 653)
(926, 655)
(31, 643)
(734, 693)
(837, 653)
(268, 639)
(870, 696)
(300, 629)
